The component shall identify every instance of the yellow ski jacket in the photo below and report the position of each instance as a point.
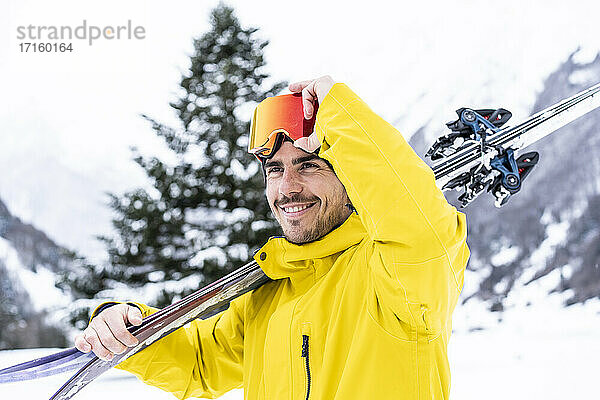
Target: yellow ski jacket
(362, 313)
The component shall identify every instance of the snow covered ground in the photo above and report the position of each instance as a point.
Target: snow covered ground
(537, 352)
(500, 365)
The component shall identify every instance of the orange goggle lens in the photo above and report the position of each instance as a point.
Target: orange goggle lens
(275, 116)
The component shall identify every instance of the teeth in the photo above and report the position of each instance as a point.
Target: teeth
(295, 209)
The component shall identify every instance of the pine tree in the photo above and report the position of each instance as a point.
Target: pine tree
(206, 213)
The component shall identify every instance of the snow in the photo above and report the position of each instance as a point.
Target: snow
(146, 294)
(39, 285)
(582, 77)
(536, 348)
(504, 364)
(505, 256)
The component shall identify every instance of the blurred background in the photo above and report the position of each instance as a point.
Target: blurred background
(123, 172)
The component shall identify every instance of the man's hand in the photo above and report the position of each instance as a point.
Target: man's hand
(107, 333)
(313, 92)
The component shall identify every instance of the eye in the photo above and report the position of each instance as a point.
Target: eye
(274, 170)
(308, 165)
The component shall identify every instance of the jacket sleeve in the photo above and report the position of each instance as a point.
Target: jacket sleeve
(203, 359)
(419, 239)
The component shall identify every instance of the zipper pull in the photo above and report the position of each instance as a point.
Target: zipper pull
(304, 345)
(305, 356)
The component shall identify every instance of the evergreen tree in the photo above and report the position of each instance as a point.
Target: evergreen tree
(206, 213)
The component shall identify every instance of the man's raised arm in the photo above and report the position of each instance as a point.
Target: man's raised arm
(419, 240)
(392, 189)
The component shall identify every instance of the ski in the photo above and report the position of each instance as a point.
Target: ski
(476, 156)
(53, 364)
(203, 304)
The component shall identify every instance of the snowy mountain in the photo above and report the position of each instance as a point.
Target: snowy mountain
(29, 261)
(64, 198)
(550, 231)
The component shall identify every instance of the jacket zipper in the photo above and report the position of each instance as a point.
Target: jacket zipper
(305, 355)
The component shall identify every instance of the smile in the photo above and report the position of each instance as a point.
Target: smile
(296, 210)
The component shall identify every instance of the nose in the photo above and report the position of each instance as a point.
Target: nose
(290, 184)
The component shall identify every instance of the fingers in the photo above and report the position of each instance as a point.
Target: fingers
(91, 336)
(298, 86)
(108, 337)
(116, 323)
(134, 316)
(309, 97)
(107, 333)
(81, 344)
(313, 92)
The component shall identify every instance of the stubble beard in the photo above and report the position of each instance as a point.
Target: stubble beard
(322, 226)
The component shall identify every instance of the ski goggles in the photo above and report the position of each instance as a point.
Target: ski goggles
(276, 119)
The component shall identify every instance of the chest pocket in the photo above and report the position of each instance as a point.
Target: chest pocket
(402, 296)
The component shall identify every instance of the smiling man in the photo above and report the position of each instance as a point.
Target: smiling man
(365, 278)
(304, 193)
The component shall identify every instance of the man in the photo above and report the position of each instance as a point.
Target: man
(365, 280)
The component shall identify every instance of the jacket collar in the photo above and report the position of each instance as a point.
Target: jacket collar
(279, 258)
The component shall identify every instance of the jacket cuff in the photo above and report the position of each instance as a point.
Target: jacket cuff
(338, 97)
(109, 304)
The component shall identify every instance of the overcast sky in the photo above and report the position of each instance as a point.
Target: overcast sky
(81, 109)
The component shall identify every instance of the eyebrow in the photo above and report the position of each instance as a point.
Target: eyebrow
(302, 159)
(295, 161)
